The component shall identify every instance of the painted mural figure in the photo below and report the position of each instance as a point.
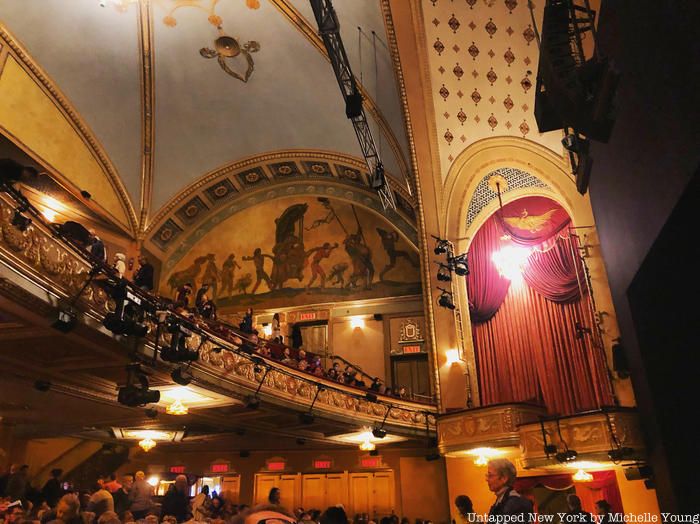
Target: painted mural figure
(189, 274)
(258, 259)
(337, 274)
(361, 257)
(228, 270)
(243, 283)
(211, 276)
(320, 253)
(289, 254)
(389, 240)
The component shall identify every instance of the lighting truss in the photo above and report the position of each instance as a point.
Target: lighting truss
(329, 29)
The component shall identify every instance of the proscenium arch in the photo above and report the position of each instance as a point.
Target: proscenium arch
(332, 191)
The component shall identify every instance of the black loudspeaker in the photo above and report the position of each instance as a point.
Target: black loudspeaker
(378, 316)
(620, 364)
(353, 105)
(638, 472)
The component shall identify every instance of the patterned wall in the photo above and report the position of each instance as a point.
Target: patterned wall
(482, 57)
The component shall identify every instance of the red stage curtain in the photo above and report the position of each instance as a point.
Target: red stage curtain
(528, 352)
(552, 270)
(487, 288)
(603, 486)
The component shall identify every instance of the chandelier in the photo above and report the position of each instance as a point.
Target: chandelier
(582, 476)
(177, 408)
(147, 444)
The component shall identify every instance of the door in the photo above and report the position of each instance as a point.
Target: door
(263, 484)
(412, 373)
(231, 487)
(383, 487)
(290, 490)
(315, 339)
(336, 489)
(360, 493)
(313, 489)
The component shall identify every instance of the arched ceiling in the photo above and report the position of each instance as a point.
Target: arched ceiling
(166, 115)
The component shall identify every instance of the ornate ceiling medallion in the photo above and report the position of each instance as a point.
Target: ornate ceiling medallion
(228, 47)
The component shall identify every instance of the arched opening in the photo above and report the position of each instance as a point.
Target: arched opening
(533, 327)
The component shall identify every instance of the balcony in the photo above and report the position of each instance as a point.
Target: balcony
(42, 272)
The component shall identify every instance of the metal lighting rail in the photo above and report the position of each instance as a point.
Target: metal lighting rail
(329, 29)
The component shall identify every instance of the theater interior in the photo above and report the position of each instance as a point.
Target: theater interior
(385, 241)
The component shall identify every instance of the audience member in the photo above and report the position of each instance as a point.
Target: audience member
(176, 501)
(100, 501)
(465, 509)
(120, 264)
(144, 274)
(274, 497)
(575, 513)
(52, 490)
(140, 496)
(500, 477)
(604, 511)
(17, 483)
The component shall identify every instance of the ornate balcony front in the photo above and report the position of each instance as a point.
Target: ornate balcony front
(490, 426)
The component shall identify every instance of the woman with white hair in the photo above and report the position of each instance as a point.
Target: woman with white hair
(120, 264)
(500, 477)
(141, 495)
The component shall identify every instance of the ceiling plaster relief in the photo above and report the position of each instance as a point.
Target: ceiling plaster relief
(494, 41)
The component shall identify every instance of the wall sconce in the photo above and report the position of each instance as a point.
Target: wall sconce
(357, 322)
(452, 356)
(267, 329)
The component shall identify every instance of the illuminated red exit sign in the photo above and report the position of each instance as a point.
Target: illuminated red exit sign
(219, 468)
(411, 349)
(177, 469)
(275, 466)
(322, 464)
(370, 462)
(307, 316)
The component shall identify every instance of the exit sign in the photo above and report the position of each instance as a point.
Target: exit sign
(311, 315)
(275, 466)
(322, 464)
(411, 349)
(219, 468)
(373, 462)
(177, 469)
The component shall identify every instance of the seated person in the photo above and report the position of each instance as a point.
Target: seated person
(349, 375)
(334, 373)
(287, 358)
(375, 385)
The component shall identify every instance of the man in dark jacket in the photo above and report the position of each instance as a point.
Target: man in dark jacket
(176, 501)
(144, 274)
(52, 490)
(500, 477)
(17, 484)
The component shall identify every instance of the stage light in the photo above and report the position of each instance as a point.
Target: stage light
(378, 179)
(569, 455)
(379, 433)
(179, 376)
(136, 392)
(66, 321)
(177, 408)
(459, 264)
(445, 299)
(21, 222)
(307, 418)
(151, 413)
(252, 402)
(178, 351)
(444, 274)
(441, 246)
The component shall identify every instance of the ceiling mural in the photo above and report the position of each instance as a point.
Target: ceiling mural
(211, 199)
(483, 61)
(173, 89)
(298, 250)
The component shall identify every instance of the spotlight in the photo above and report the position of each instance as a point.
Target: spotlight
(379, 433)
(569, 142)
(252, 402)
(568, 455)
(151, 412)
(136, 392)
(180, 377)
(550, 449)
(378, 180)
(307, 418)
(445, 299)
(42, 385)
(444, 274)
(66, 321)
(20, 221)
(178, 350)
(127, 319)
(441, 246)
(301, 441)
(459, 263)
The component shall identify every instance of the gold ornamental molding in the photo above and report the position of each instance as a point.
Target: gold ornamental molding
(490, 426)
(148, 102)
(37, 256)
(592, 435)
(303, 26)
(41, 78)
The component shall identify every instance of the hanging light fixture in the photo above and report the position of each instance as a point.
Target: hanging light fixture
(147, 444)
(177, 408)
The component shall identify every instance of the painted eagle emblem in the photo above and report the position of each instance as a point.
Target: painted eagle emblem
(531, 223)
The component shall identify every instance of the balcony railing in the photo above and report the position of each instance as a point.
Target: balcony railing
(43, 256)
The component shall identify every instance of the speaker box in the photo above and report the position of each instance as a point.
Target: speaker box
(378, 316)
